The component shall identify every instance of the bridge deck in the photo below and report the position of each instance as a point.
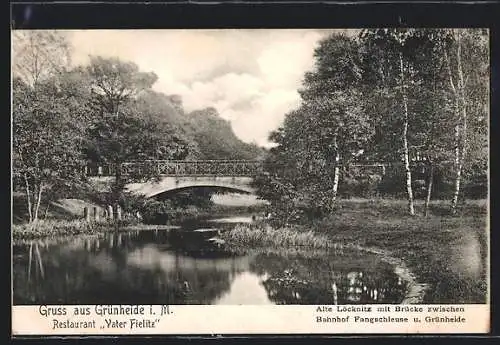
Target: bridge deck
(221, 168)
(230, 168)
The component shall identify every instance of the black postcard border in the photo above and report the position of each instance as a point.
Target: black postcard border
(272, 14)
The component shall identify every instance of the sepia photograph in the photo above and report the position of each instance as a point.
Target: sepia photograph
(323, 167)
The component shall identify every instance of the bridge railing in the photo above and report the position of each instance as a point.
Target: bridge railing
(183, 168)
(204, 168)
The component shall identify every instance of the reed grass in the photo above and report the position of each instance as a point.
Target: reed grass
(251, 236)
(47, 228)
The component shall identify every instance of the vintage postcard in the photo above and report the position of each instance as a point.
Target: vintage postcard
(239, 181)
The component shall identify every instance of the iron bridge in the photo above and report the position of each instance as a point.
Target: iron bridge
(233, 168)
(201, 168)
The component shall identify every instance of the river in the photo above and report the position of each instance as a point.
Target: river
(182, 266)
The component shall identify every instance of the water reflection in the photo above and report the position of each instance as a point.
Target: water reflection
(180, 267)
(347, 279)
(138, 267)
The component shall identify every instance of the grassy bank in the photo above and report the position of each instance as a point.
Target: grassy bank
(65, 218)
(56, 228)
(447, 252)
(52, 229)
(71, 223)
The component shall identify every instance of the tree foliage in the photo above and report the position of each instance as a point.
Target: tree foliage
(45, 127)
(383, 96)
(329, 128)
(38, 55)
(104, 113)
(215, 138)
(46, 152)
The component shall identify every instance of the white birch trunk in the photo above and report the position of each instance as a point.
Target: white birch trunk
(46, 211)
(406, 155)
(38, 200)
(28, 197)
(456, 191)
(462, 112)
(458, 169)
(429, 190)
(457, 162)
(336, 177)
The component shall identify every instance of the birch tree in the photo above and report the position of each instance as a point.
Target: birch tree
(390, 68)
(438, 80)
(429, 101)
(46, 151)
(465, 56)
(45, 118)
(337, 129)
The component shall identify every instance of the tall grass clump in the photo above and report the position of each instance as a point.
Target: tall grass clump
(266, 236)
(52, 228)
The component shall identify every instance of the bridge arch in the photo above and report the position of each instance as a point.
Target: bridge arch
(170, 184)
(219, 189)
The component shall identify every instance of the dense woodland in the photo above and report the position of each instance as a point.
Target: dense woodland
(417, 99)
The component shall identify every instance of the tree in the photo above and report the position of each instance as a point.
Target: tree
(391, 67)
(215, 137)
(46, 134)
(207, 134)
(115, 82)
(432, 112)
(428, 69)
(119, 132)
(158, 108)
(333, 92)
(465, 54)
(38, 55)
(46, 151)
(328, 130)
(338, 131)
(279, 182)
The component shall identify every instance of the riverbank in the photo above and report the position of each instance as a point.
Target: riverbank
(449, 253)
(71, 228)
(51, 228)
(65, 217)
(262, 238)
(57, 227)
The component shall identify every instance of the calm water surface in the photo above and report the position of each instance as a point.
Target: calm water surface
(182, 267)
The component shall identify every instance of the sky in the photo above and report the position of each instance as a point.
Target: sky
(250, 76)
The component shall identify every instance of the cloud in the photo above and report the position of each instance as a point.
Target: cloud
(224, 92)
(266, 113)
(250, 76)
